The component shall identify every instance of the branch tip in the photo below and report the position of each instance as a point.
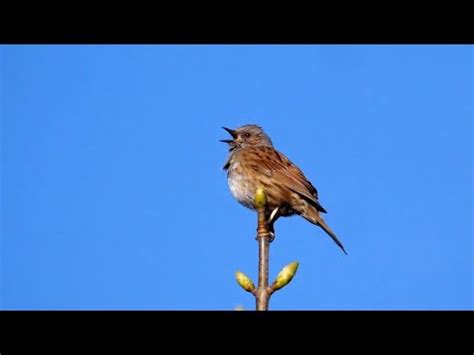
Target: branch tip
(260, 198)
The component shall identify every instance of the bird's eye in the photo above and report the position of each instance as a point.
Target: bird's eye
(247, 135)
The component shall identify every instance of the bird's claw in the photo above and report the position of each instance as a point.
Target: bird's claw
(272, 236)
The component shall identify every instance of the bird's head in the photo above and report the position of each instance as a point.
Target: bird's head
(246, 136)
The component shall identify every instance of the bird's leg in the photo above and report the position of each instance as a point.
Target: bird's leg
(271, 221)
(273, 216)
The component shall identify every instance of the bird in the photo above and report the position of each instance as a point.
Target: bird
(253, 162)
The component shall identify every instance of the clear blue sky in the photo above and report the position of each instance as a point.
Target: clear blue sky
(113, 195)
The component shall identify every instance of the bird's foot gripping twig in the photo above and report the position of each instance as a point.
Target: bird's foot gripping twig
(271, 235)
(269, 231)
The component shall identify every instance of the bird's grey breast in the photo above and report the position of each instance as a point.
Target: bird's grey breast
(240, 184)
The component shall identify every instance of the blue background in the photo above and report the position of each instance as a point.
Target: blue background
(113, 195)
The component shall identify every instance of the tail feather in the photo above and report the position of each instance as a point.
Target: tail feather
(315, 218)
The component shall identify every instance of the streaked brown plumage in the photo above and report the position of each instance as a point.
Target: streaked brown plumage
(254, 162)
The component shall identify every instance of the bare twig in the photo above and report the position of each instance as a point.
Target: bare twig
(263, 292)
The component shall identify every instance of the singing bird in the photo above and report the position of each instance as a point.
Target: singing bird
(253, 162)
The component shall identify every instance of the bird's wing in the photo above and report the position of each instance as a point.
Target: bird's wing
(275, 164)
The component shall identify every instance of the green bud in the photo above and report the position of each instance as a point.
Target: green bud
(260, 198)
(244, 281)
(285, 276)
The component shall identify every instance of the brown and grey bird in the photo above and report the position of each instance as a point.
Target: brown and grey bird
(253, 162)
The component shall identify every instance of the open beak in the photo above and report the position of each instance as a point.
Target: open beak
(232, 133)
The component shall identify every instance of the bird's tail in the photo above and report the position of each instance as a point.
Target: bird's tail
(316, 219)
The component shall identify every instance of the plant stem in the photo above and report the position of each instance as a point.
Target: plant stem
(263, 292)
